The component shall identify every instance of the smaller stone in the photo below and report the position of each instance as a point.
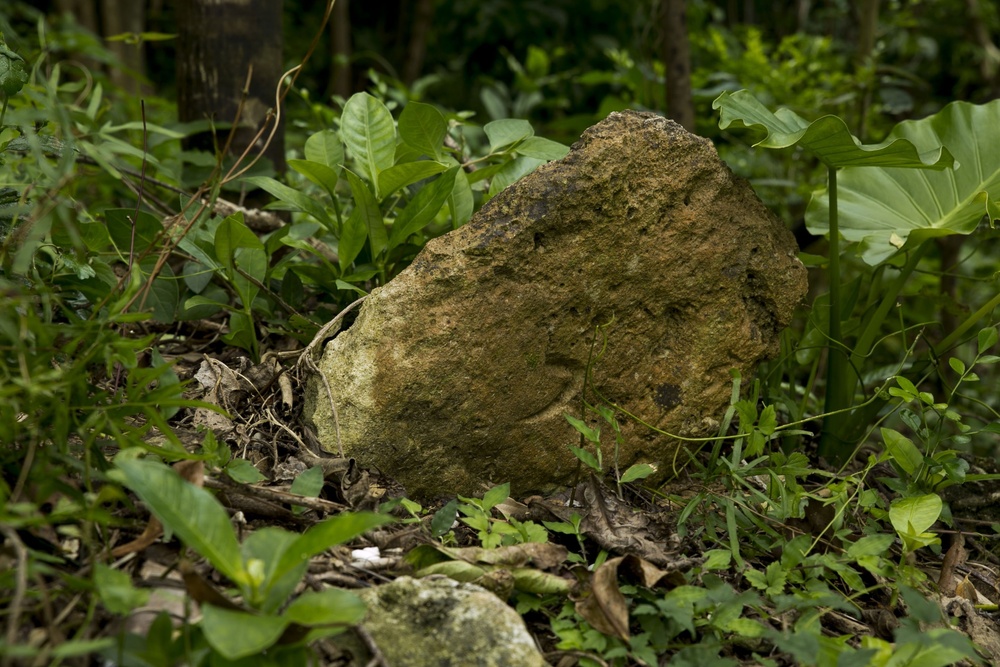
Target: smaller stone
(438, 622)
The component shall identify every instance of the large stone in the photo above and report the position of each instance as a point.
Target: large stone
(438, 622)
(458, 373)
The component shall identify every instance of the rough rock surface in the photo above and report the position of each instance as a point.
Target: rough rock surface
(458, 372)
(438, 622)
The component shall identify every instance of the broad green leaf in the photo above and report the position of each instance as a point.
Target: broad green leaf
(768, 420)
(196, 276)
(444, 518)
(587, 458)
(201, 301)
(828, 138)
(352, 238)
(116, 590)
(327, 607)
(148, 229)
(295, 200)
(241, 332)
(422, 127)
(237, 634)
(13, 71)
(237, 247)
(637, 471)
(461, 202)
(987, 338)
(370, 136)
(326, 534)
(244, 472)
(913, 515)
(309, 483)
(339, 529)
(320, 174)
(190, 512)
(423, 208)
(164, 294)
(543, 149)
(884, 208)
(871, 545)
(934, 647)
(512, 172)
(902, 450)
(268, 547)
(591, 434)
(325, 148)
(369, 214)
(407, 173)
(496, 495)
(506, 132)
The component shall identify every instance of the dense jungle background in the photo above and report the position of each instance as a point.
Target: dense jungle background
(175, 246)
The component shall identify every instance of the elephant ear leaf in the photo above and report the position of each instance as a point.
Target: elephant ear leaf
(828, 138)
(882, 209)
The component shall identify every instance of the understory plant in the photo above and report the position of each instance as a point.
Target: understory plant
(266, 569)
(107, 250)
(929, 179)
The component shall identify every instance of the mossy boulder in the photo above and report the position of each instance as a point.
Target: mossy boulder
(457, 374)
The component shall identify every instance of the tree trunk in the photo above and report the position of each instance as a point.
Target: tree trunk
(423, 17)
(219, 42)
(340, 50)
(126, 16)
(677, 61)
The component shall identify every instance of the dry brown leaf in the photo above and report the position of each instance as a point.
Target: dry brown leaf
(956, 556)
(605, 608)
(648, 575)
(151, 533)
(965, 589)
(201, 591)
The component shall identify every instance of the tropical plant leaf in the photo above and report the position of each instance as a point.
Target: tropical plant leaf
(325, 148)
(370, 136)
(913, 515)
(369, 214)
(902, 450)
(828, 137)
(407, 173)
(423, 208)
(326, 607)
(292, 198)
(237, 634)
(191, 512)
(320, 174)
(506, 132)
(882, 209)
(422, 127)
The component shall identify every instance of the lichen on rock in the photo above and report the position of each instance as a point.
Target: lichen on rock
(457, 374)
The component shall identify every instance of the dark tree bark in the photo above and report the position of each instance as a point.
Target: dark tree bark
(677, 61)
(422, 20)
(219, 41)
(340, 50)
